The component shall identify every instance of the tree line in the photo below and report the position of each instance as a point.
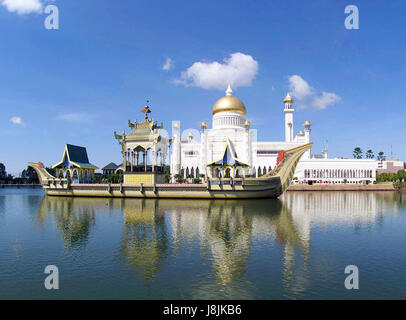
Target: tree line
(369, 154)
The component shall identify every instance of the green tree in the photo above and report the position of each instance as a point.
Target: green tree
(3, 173)
(178, 178)
(369, 154)
(357, 153)
(30, 175)
(167, 171)
(402, 175)
(381, 156)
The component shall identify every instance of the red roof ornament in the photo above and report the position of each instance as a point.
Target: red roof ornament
(41, 165)
(281, 156)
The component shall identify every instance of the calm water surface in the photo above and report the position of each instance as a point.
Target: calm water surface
(293, 248)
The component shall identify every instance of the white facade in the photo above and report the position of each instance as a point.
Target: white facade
(189, 156)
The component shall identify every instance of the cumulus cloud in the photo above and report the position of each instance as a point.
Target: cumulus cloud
(307, 96)
(239, 70)
(76, 117)
(300, 89)
(17, 120)
(23, 6)
(326, 99)
(168, 65)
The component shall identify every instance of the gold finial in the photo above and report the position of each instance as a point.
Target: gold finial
(146, 110)
(288, 99)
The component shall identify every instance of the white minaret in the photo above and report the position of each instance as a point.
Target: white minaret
(288, 101)
(176, 148)
(203, 148)
(307, 129)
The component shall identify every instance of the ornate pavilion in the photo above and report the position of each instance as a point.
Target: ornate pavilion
(144, 151)
(75, 165)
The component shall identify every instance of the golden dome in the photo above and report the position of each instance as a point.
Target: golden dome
(288, 99)
(203, 125)
(229, 104)
(247, 123)
(307, 123)
(301, 133)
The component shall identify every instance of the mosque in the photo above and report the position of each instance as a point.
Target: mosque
(231, 140)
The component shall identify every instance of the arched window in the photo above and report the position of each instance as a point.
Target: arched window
(227, 173)
(264, 170)
(192, 172)
(197, 172)
(187, 172)
(182, 172)
(259, 171)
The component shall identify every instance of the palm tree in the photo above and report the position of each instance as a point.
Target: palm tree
(357, 153)
(381, 156)
(369, 154)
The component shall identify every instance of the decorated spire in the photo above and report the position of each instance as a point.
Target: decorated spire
(229, 92)
(146, 110)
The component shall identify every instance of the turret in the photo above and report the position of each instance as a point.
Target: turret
(307, 129)
(176, 148)
(288, 101)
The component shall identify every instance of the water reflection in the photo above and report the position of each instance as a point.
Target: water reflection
(74, 217)
(225, 232)
(145, 240)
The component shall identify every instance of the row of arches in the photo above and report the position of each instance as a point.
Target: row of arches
(337, 173)
(140, 159)
(76, 174)
(190, 172)
(260, 171)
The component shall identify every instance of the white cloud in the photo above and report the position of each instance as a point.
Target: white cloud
(17, 121)
(300, 89)
(239, 70)
(23, 6)
(306, 95)
(76, 117)
(168, 65)
(325, 100)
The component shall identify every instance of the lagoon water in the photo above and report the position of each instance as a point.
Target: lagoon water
(296, 247)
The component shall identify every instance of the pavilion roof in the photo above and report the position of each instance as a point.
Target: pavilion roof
(76, 156)
(229, 157)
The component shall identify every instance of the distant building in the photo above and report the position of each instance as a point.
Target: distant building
(390, 166)
(110, 168)
(75, 165)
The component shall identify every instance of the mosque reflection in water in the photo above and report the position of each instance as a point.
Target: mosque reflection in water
(154, 231)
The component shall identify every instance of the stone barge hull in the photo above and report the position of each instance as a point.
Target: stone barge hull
(270, 189)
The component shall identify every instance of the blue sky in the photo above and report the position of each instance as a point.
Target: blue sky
(80, 83)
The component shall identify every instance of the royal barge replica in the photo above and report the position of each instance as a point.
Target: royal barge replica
(270, 185)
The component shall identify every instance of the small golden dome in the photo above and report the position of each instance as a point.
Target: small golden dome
(288, 99)
(307, 123)
(229, 104)
(203, 125)
(247, 123)
(301, 133)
